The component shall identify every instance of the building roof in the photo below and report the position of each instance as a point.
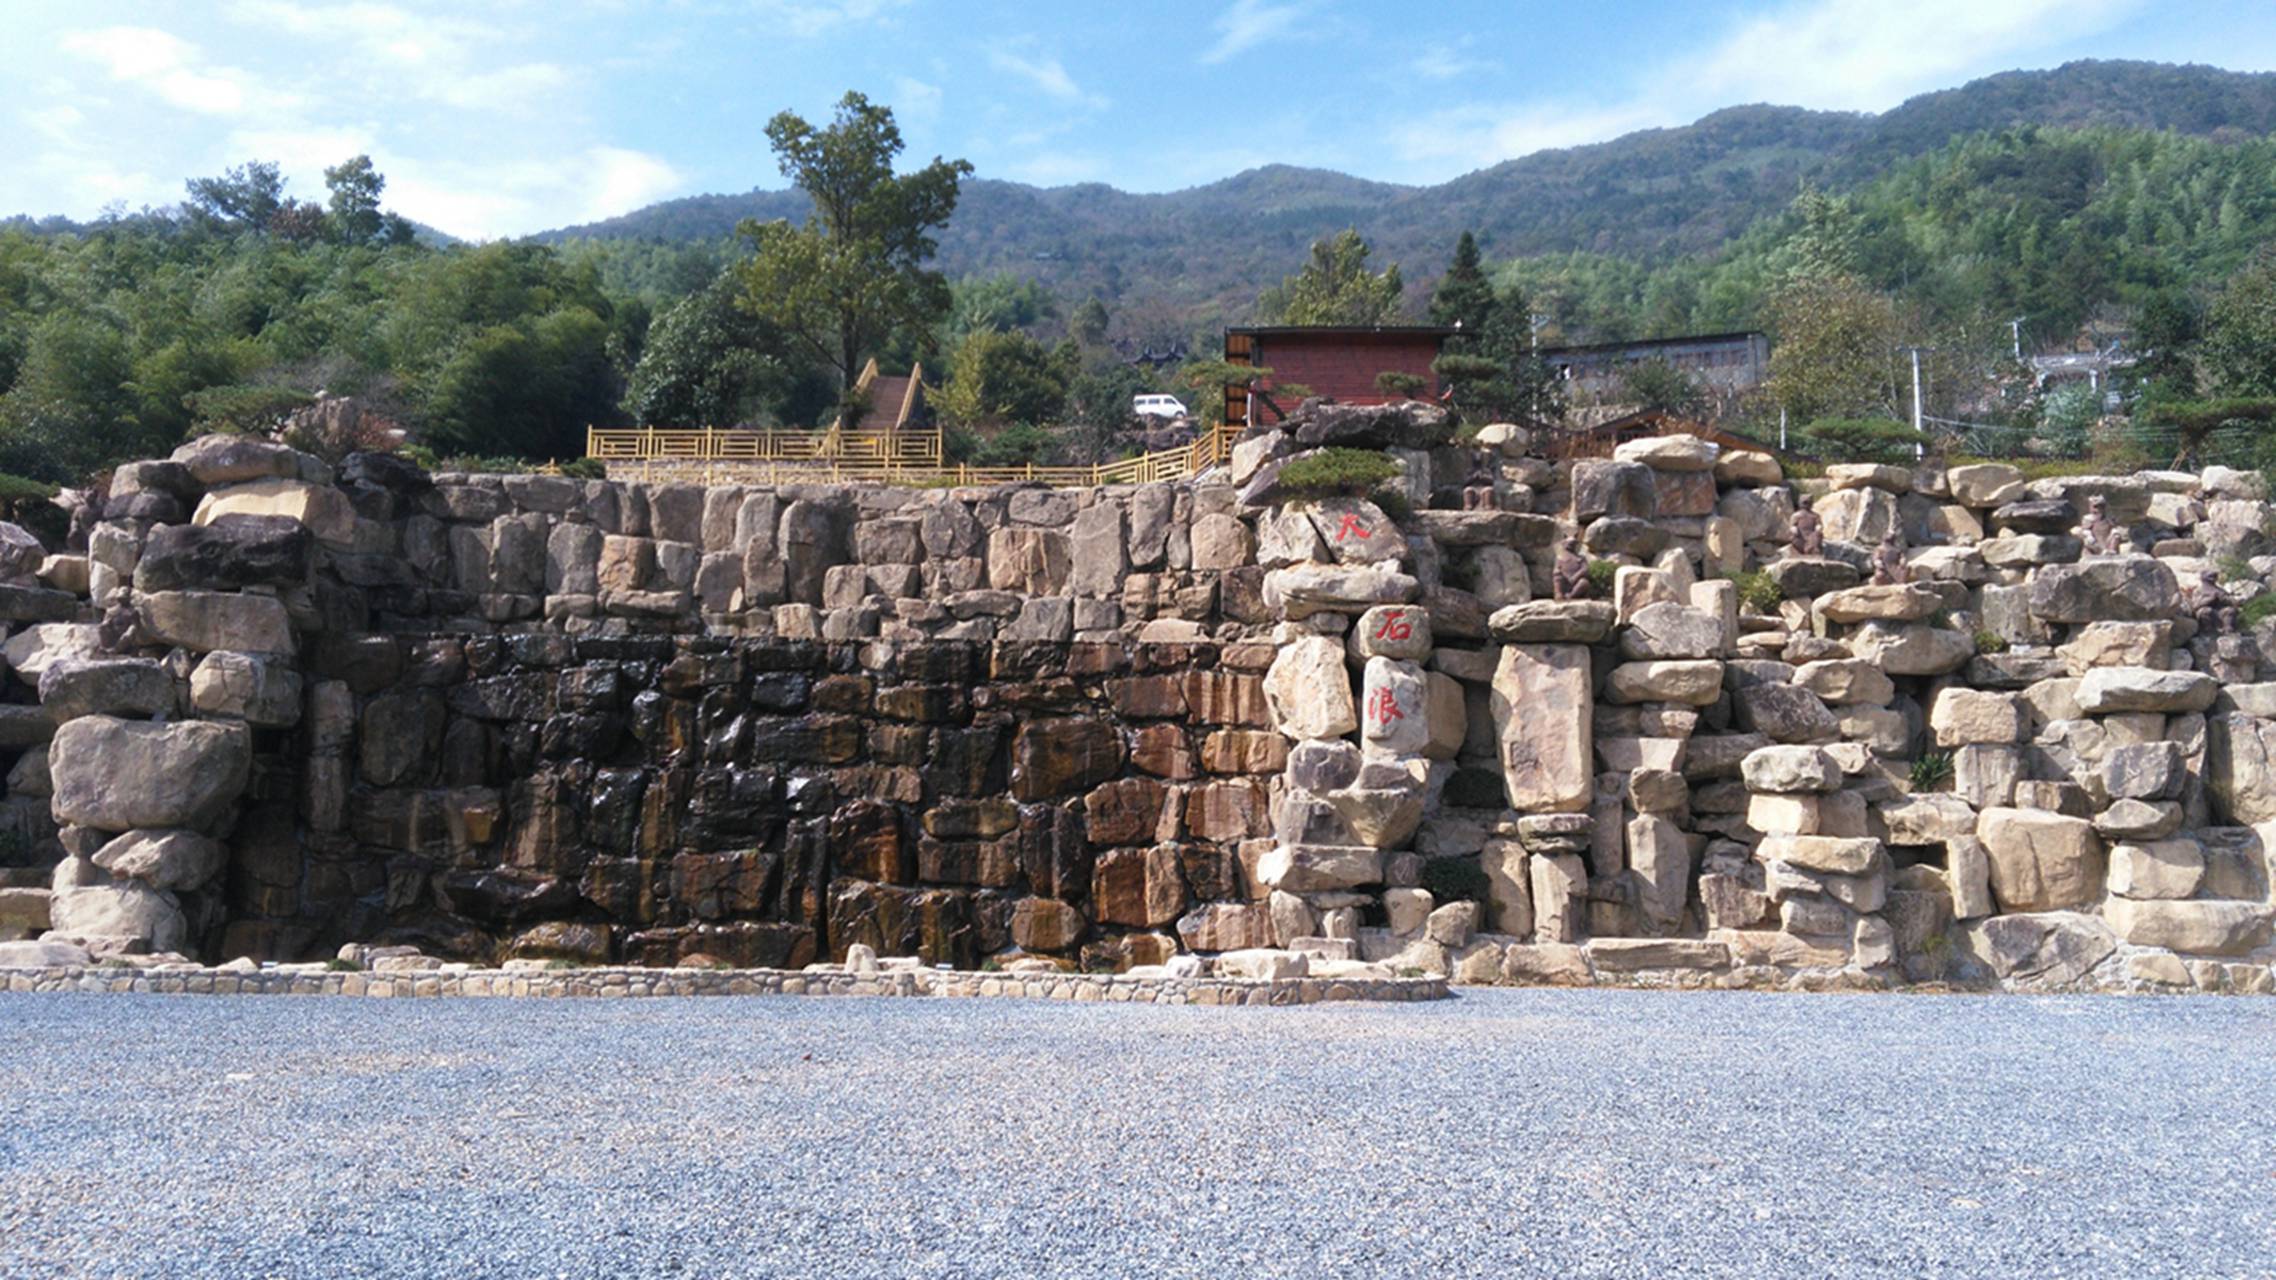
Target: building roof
(1681, 340)
(1344, 330)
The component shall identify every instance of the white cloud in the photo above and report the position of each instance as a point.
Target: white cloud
(1848, 55)
(1047, 75)
(166, 65)
(1444, 62)
(1059, 168)
(1868, 55)
(809, 18)
(913, 99)
(624, 180)
(1248, 24)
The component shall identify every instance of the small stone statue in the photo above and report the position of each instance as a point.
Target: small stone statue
(1889, 561)
(2098, 532)
(1568, 579)
(1478, 489)
(120, 629)
(2215, 609)
(1809, 533)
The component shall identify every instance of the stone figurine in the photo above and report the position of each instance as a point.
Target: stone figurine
(1808, 540)
(1889, 561)
(1478, 489)
(1569, 577)
(2215, 609)
(2101, 535)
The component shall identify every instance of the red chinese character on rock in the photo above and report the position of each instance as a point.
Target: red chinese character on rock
(1382, 708)
(1350, 526)
(1394, 626)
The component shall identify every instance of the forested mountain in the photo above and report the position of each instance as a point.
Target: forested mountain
(2101, 199)
(1648, 195)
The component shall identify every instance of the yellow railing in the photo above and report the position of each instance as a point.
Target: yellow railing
(873, 457)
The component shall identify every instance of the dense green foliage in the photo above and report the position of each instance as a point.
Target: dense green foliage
(858, 269)
(1335, 286)
(1336, 471)
(2097, 202)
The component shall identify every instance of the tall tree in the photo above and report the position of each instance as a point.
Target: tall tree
(1335, 287)
(1464, 297)
(709, 362)
(856, 270)
(355, 186)
(2240, 331)
(247, 196)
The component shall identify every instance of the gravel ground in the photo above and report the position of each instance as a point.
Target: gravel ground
(1502, 1133)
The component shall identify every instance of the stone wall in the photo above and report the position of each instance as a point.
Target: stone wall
(535, 717)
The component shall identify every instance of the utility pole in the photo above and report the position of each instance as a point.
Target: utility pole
(1920, 446)
(1533, 322)
(2015, 335)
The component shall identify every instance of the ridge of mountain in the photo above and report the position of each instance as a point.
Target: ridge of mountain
(1651, 193)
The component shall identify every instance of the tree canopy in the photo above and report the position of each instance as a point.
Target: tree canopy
(856, 270)
(1335, 287)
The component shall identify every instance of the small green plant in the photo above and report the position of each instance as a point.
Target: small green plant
(1758, 591)
(1454, 879)
(585, 469)
(337, 965)
(1336, 472)
(1990, 641)
(1601, 573)
(1932, 770)
(2235, 569)
(1394, 382)
(560, 964)
(2259, 609)
(1941, 620)
(1394, 502)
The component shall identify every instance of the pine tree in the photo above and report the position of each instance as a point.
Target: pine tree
(1465, 297)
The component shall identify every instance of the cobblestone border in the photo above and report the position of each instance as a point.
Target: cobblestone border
(621, 982)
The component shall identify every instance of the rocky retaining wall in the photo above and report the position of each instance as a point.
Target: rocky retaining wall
(1945, 725)
(463, 980)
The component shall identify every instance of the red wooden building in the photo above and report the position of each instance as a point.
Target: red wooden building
(1337, 361)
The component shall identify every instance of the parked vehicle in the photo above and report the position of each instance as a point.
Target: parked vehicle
(1159, 407)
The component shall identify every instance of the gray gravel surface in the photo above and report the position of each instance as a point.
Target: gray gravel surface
(1502, 1133)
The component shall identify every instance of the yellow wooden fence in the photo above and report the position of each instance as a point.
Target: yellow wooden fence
(767, 456)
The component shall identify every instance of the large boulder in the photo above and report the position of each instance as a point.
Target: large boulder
(174, 860)
(1790, 770)
(325, 511)
(252, 687)
(1912, 649)
(1610, 488)
(2052, 949)
(1308, 690)
(229, 553)
(2240, 766)
(2109, 690)
(1671, 630)
(119, 775)
(118, 917)
(204, 621)
(220, 459)
(1543, 711)
(2106, 588)
(133, 687)
(2198, 926)
(1301, 590)
(1552, 622)
(2041, 861)
(1405, 424)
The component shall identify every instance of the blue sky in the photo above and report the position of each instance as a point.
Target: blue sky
(493, 120)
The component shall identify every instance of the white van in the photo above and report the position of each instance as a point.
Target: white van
(1158, 407)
